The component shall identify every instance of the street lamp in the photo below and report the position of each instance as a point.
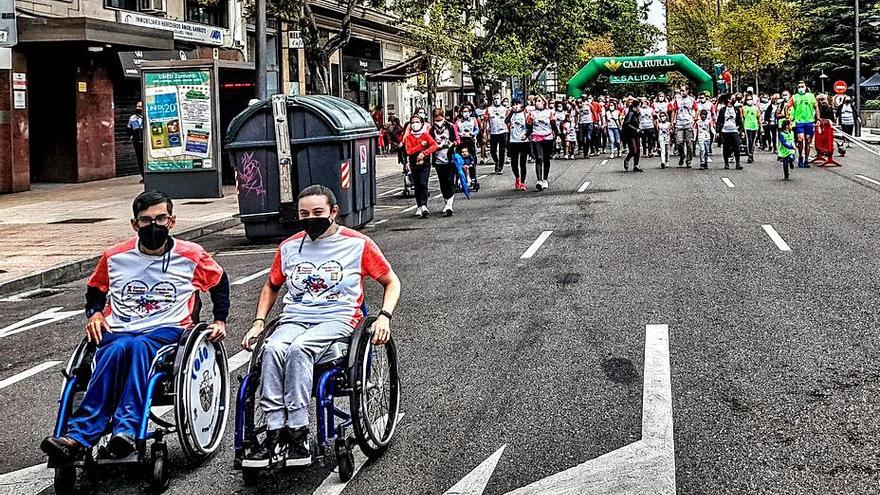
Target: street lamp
(260, 50)
(856, 84)
(823, 76)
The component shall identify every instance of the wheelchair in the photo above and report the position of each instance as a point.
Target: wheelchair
(190, 377)
(355, 369)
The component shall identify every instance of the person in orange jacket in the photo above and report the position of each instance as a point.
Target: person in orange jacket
(419, 147)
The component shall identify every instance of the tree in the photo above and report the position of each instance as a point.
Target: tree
(688, 27)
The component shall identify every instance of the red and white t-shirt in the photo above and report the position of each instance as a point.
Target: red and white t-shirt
(325, 280)
(147, 292)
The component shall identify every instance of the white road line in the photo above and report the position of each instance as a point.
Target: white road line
(777, 239)
(474, 483)
(390, 192)
(728, 182)
(411, 208)
(868, 179)
(331, 484)
(603, 162)
(644, 466)
(536, 245)
(481, 176)
(247, 279)
(584, 187)
(376, 224)
(51, 315)
(386, 207)
(27, 373)
(246, 253)
(438, 196)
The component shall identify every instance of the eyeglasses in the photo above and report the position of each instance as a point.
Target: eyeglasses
(159, 220)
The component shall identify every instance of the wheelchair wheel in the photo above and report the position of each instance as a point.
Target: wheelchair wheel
(344, 459)
(375, 398)
(65, 480)
(201, 389)
(161, 476)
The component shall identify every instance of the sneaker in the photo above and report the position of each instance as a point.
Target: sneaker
(425, 212)
(298, 451)
(637, 169)
(708, 159)
(739, 167)
(625, 165)
(448, 211)
(523, 186)
(662, 165)
(62, 449)
(419, 211)
(517, 184)
(546, 184)
(539, 185)
(271, 451)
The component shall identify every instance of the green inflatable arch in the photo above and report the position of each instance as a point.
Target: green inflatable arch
(651, 68)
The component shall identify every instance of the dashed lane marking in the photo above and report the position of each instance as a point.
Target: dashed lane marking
(27, 373)
(603, 162)
(867, 179)
(777, 239)
(728, 182)
(584, 187)
(390, 192)
(536, 245)
(247, 279)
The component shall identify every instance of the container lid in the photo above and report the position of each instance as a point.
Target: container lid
(343, 116)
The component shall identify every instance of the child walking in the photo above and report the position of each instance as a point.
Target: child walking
(570, 137)
(786, 150)
(663, 138)
(703, 129)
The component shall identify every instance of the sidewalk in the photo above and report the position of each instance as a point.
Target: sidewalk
(56, 232)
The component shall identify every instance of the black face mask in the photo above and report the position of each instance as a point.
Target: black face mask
(153, 236)
(316, 226)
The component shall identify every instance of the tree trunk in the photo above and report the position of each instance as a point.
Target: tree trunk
(317, 56)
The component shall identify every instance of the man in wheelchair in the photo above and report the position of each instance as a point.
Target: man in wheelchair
(152, 282)
(323, 268)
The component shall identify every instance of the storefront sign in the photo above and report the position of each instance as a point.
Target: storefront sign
(638, 78)
(19, 100)
(183, 31)
(8, 29)
(178, 108)
(614, 65)
(19, 80)
(131, 62)
(294, 39)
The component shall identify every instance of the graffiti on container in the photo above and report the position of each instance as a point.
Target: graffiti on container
(250, 176)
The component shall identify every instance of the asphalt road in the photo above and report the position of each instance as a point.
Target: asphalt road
(773, 353)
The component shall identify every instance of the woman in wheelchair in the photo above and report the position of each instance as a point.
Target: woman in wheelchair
(152, 282)
(323, 268)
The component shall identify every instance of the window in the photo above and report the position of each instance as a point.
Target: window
(211, 12)
(121, 4)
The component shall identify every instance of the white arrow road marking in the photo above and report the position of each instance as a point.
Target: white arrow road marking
(777, 239)
(27, 373)
(247, 279)
(642, 467)
(51, 315)
(727, 181)
(867, 179)
(584, 187)
(37, 478)
(536, 245)
(331, 484)
(475, 482)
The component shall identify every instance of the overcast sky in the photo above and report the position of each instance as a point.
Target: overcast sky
(657, 17)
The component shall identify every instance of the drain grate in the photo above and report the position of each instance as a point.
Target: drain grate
(79, 221)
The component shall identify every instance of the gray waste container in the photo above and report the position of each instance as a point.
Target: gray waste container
(283, 144)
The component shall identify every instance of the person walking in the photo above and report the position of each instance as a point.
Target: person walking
(631, 136)
(703, 129)
(846, 119)
(519, 144)
(663, 138)
(728, 127)
(495, 116)
(467, 126)
(612, 124)
(647, 128)
(136, 135)
(684, 109)
(751, 122)
(446, 137)
(420, 145)
(768, 118)
(585, 126)
(541, 121)
(803, 110)
(787, 149)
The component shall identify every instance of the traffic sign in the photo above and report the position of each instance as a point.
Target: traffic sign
(840, 87)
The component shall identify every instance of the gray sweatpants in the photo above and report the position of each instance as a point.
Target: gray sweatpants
(289, 356)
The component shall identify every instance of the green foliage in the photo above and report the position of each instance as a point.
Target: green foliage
(872, 105)
(753, 37)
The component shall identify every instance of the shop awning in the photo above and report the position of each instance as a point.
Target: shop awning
(401, 71)
(131, 61)
(872, 82)
(97, 31)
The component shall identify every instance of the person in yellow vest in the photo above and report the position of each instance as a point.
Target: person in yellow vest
(803, 109)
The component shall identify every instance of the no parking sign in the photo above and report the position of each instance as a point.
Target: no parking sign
(363, 153)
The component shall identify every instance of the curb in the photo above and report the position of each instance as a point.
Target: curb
(74, 270)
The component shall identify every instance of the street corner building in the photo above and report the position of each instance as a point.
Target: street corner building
(70, 75)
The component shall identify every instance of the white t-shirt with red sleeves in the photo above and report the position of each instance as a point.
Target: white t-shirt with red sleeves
(147, 292)
(325, 279)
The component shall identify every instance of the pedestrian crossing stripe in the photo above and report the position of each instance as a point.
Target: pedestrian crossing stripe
(345, 174)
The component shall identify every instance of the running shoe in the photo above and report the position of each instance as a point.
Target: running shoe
(637, 169)
(271, 451)
(539, 185)
(517, 184)
(298, 451)
(425, 212)
(419, 211)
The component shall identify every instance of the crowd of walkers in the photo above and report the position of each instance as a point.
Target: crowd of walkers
(540, 130)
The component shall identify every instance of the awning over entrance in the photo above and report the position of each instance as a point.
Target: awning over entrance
(872, 82)
(131, 62)
(84, 29)
(400, 72)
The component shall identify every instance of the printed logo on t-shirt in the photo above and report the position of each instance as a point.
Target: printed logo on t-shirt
(317, 280)
(140, 300)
